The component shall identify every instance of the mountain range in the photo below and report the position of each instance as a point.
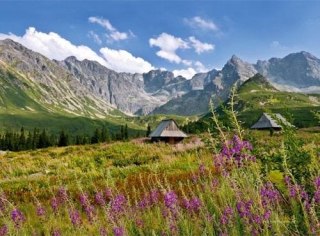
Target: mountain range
(30, 81)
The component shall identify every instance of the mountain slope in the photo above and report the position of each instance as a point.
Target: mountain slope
(205, 85)
(298, 70)
(40, 81)
(258, 95)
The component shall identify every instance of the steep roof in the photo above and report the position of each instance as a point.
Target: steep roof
(270, 121)
(167, 128)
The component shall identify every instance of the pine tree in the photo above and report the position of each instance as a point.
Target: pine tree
(104, 134)
(63, 139)
(96, 136)
(126, 134)
(29, 141)
(43, 140)
(22, 140)
(148, 131)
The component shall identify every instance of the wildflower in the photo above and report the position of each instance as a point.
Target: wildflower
(149, 199)
(118, 231)
(193, 205)
(84, 199)
(267, 215)
(269, 195)
(154, 196)
(118, 204)
(202, 169)
(139, 223)
(17, 217)
(62, 195)
(54, 204)
(234, 152)
(98, 197)
(3, 230)
(103, 231)
(90, 212)
(40, 211)
(244, 207)
(170, 199)
(226, 215)
(214, 183)
(75, 217)
(56, 232)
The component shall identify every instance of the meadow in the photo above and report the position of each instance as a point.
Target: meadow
(232, 183)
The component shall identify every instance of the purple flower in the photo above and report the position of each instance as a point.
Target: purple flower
(139, 223)
(17, 217)
(62, 195)
(170, 199)
(40, 211)
(75, 217)
(226, 215)
(267, 215)
(54, 204)
(118, 206)
(84, 199)
(56, 232)
(234, 152)
(244, 208)
(118, 231)
(269, 195)
(3, 230)
(202, 169)
(317, 182)
(193, 205)
(149, 199)
(103, 231)
(99, 199)
(316, 196)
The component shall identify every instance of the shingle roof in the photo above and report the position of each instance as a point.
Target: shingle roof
(167, 128)
(267, 121)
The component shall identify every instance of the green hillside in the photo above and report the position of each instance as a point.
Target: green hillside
(257, 95)
(20, 106)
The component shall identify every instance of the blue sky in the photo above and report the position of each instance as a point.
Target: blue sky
(183, 36)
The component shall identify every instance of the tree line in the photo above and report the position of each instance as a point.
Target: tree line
(26, 140)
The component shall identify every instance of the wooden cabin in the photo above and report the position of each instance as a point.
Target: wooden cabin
(167, 131)
(270, 122)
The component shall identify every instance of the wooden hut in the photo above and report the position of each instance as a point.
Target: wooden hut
(270, 122)
(167, 131)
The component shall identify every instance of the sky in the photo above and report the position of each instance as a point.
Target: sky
(185, 37)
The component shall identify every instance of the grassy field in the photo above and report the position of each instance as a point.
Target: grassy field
(137, 188)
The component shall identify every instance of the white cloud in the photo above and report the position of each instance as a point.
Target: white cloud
(187, 62)
(116, 36)
(112, 33)
(187, 73)
(198, 23)
(121, 60)
(200, 67)
(277, 45)
(199, 46)
(168, 45)
(54, 46)
(95, 37)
